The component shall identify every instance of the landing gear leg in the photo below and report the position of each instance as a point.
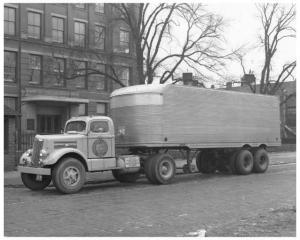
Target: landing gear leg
(188, 167)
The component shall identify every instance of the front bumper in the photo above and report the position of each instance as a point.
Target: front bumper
(34, 170)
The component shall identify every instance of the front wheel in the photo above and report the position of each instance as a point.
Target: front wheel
(125, 177)
(68, 175)
(35, 183)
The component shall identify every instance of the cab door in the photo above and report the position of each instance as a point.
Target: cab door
(101, 145)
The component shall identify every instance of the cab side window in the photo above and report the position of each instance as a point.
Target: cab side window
(99, 127)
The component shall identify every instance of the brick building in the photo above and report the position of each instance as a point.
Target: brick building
(54, 43)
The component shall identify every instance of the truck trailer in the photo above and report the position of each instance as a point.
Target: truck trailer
(225, 131)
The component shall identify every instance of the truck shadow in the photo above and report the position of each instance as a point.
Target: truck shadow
(113, 185)
(143, 182)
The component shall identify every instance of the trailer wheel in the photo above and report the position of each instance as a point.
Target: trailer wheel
(148, 170)
(206, 162)
(125, 177)
(244, 162)
(161, 169)
(232, 161)
(31, 182)
(261, 161)
(222, 166)
(68, 175)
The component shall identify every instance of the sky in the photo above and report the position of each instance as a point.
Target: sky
(243, 28)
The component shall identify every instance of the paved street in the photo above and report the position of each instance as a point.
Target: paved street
(191, 203)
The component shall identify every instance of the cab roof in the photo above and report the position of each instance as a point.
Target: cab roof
(88, 118)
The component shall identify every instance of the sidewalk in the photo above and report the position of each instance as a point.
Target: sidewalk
(13, 179)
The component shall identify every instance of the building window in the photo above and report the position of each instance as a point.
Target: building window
(97, 81)
(99, 7)
(57, 29)
(34, 25)
(30, 124)
(123, 75)
(99, 36)
(124, 41)
(80, 5)
(10, 63)
(11, 102)
(79, 68)
(59, 70)
(101, 108)
(81, 109)
(9, 20)
(79, 34)
(49, 124)
(35, 69)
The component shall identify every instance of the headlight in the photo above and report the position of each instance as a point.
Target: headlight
(25, 159)
(28, 153)
(43, 154)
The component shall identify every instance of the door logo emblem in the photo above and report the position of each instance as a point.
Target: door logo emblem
(100, 148)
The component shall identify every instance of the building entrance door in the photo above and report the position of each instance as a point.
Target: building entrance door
(49, 124)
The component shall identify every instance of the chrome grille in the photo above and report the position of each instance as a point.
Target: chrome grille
(37, 147)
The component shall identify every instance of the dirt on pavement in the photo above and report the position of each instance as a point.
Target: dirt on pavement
(276, 223)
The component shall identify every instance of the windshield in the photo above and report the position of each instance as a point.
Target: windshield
(76, 126)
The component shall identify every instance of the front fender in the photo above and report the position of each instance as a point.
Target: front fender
(57, 154)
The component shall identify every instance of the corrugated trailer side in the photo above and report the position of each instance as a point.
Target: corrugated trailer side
(206, 118)
(137, 115)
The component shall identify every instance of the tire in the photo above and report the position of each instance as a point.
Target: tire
(161, 169)
(148, 170)
(206, 162)
(29, 180)
(232, 161)
(244, 162)
(125, 177)
(222, 166)
(68, 175)
(261, 161)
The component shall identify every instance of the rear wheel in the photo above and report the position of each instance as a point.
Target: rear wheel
(125, 177)
(232, 160)
(244, 162)
(35, 182)
(261, 161)
(148, 171)
(206, 162)
(160, 169)
(68, 175)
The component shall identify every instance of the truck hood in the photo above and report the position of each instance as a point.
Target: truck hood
(58, 141)
(61, 137)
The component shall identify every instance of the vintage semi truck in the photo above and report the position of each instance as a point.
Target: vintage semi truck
(225, 131)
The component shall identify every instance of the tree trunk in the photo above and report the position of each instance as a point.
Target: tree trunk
(140, 65)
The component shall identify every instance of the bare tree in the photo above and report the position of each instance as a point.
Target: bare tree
(277, 22)
(153, 29)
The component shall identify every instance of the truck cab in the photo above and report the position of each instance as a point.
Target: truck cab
(99, 144)
(86, 145)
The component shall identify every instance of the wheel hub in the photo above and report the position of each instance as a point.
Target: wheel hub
(71, 176)
(166, 169)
